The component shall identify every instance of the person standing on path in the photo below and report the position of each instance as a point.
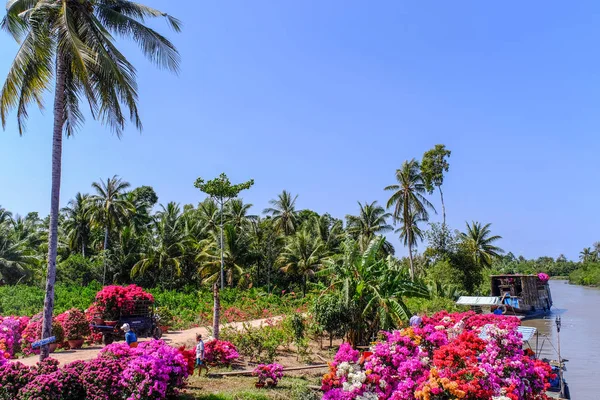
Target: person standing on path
(130, 336)
(200, 355)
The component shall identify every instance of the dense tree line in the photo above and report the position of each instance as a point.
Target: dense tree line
(118, 234)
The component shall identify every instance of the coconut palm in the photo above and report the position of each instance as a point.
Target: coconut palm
(5, 215)
(302, 256)
(208, 214)
(167, 251)
(15, 256)
(370, 221)
(70, 43)
(236, 212)
(330, 230)
(588, 255)
(283, 212)
(77, 223)
(408, 197)
(479, 243)
(409, 231)
(235, 255)
(109, 207)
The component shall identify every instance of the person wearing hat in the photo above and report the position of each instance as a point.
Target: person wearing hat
(130, 337)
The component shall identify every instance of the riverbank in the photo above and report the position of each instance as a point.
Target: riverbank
(586, 275)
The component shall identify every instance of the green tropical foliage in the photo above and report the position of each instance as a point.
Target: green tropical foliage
(409, 202)
(283, 212)
(479, 243)
(372, 289)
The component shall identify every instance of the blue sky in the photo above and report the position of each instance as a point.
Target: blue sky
(326, 99)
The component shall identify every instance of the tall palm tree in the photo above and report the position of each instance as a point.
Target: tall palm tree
(166, 254)
(70, 43)
(478, 241)
(410, 231)
(109, 207)
(5, 215)
(283, 212)
(77, 223)
(235, 255)
(302, 256)
(587, 255)
(236, 212)
(370, 221)
(407, 197)
(208, 214)
(330, 230)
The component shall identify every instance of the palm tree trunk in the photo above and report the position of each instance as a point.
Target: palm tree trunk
(222, 249)
(216, 310)
(443, 205)
(59, 119)
(410, 259)
(83, 248)
(105, 248)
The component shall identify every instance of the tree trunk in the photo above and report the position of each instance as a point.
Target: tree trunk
(59, 119)
(216, 310)
(222, 248)
(105, 248)
(83, 248)
(443, 206)
(410, 259)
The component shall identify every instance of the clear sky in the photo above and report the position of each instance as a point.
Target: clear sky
(327, 98)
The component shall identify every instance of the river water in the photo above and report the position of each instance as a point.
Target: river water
(579, 309)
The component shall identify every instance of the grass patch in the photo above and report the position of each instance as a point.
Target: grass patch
(242, 388)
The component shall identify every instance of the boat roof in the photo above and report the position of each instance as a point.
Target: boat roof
(478, 300)
(526, 331)
(512, 275)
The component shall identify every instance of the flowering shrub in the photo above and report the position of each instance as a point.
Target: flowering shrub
(11, 329)
(543, 277)
(274, 372)
(443, 359)
(112, 299)
(220, 352)
(190, 358)
(75, 324)
(33, 332)
(153, 371)
(13, 377)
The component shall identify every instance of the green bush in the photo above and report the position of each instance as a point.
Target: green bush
(259, 344)
(588, 274)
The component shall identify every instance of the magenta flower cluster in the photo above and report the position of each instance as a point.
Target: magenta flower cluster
(11, 329)
(443, 359)
(152, 371)
(221, 352)
(274, 372)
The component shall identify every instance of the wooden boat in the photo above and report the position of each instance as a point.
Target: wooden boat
(521, 295)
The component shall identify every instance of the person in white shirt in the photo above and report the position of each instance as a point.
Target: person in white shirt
(200, 355)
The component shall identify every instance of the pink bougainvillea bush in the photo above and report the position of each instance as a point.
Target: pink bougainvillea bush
(264, 372)
(221, 352)
(11, 329)
(153, 371)
(33, 332)
(114, 299)
(442, 359)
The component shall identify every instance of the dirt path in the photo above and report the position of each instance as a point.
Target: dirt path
(178, 338)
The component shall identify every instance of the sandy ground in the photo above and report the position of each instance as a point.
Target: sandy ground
(177, 338)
